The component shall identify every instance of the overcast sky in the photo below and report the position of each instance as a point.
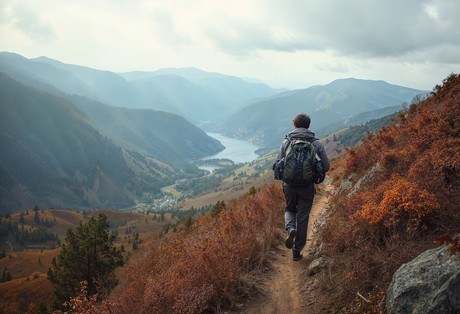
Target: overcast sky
(285, 43)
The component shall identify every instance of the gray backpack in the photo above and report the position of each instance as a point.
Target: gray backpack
(301, 165)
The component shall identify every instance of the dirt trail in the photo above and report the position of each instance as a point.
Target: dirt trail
(284, 287)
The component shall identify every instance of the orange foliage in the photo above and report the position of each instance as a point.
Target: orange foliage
(200, 269)
(83, 304)
(397, 201)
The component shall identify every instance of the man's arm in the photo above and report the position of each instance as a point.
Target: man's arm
(282, 151)
(322, 154)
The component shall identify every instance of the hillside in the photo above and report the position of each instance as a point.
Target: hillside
(168, 137)
(53, 156)
(396, 195)
(29, 262)
(266, 122)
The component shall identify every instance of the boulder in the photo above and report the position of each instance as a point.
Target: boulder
(428, 284)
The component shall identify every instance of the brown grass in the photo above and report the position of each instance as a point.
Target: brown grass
(20, 295)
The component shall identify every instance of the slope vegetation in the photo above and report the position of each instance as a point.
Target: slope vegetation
(398, 193)
(208, 265)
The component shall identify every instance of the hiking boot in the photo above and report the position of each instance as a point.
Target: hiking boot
(296, 255)
(290, 239)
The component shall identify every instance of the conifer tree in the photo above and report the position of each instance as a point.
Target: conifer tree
(87, 255)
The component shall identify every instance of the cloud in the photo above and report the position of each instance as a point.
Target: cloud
(239, 37)
(360, 28)
(30, 22)
(166, 30)
(332, 66)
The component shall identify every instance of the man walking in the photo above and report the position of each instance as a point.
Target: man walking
(299, 197)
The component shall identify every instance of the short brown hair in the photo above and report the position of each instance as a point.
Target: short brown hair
(302, 120)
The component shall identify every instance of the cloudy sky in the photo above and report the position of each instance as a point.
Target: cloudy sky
(285, 43)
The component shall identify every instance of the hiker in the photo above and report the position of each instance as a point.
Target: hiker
(299, 194)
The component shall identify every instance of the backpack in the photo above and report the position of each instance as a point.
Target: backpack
(301, 165)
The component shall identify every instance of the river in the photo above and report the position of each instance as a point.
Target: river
(238, 151)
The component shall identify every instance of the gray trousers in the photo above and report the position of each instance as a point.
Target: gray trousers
(299, 200)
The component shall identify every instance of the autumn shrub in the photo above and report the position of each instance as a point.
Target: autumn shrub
(83, 303)
(397, 204)
(405, 203)
(202, 268)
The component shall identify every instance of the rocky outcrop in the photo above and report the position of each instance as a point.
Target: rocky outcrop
(350, 188)
(428, 284)
(316, 266)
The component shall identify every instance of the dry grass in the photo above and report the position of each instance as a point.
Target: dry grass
(19, 295)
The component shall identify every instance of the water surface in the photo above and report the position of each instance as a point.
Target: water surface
(239, 151)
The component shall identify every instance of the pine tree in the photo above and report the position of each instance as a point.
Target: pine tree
(3, 279)
(87, 255)
(188, 222)
(8, 276)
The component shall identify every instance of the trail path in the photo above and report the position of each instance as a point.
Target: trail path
(284, 289)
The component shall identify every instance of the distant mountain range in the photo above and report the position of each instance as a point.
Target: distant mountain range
(330, 106)
(197, 95)
(76, 137)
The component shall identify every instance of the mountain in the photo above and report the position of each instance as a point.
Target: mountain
(266, 122)
(166, 136)
(361, 119)
(197, 95)
(103, 86)
(200, 96)
(56, 156)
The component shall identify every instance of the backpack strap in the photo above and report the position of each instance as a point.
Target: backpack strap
(289, 138)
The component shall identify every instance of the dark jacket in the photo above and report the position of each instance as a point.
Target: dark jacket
(308, 135)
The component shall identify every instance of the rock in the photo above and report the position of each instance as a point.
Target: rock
(428, 284)
(346, 184)
(365, 178)
(316, 266)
